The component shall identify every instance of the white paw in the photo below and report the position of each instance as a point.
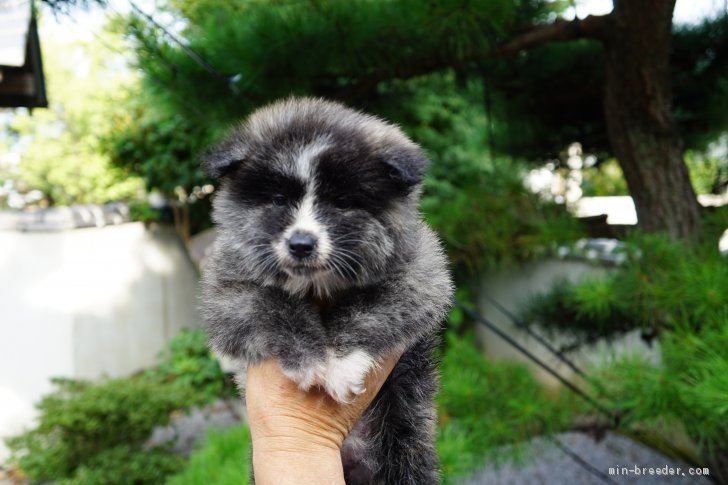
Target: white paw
(306, 377)
(344, 376)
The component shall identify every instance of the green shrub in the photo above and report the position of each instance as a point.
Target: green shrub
(187, 363)
(124, 465)
(606, 179)
(586, 311)
(143, 212)
(88, 431)
(475, 199)
(160, 149)
(715, 223)
(223, 459)
(709, 175)
(487, 407)
(680, 295)
(667, 285)
(663, 285)
(80, 423)
(689, 387)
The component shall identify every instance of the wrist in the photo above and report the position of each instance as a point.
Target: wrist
(283, 460)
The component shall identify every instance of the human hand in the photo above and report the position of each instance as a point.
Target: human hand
(297, 435)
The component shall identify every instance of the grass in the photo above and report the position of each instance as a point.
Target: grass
(488, 409)
(223, 459)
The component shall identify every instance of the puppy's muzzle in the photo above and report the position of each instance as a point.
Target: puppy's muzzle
(301, 245)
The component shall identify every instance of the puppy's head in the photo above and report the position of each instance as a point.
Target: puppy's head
(315, 196)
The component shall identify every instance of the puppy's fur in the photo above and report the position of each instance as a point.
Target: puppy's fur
(323, 262)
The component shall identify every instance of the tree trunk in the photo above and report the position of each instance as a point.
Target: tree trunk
(638, 110)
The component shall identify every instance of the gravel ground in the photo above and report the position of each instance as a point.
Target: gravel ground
(547, 464)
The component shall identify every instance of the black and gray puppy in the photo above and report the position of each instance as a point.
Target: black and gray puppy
(323, 262)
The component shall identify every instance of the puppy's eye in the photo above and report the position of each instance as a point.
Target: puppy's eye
(279, 200)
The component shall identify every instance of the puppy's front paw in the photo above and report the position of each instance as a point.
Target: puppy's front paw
(344, 376)
(306, 376)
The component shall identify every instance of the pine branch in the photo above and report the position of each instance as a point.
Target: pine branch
(591, 27)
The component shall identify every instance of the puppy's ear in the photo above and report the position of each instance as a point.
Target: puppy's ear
(407, 167)
(220, 159)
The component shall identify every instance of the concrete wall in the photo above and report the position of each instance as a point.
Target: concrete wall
(512, 288)
(86, 303)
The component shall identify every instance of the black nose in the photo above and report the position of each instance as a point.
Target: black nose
(301, 245)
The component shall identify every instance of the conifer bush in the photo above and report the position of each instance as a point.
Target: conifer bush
(84, 428)
(98, 432)
(678, 295)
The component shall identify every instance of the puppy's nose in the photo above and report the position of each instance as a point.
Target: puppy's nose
(301, 245)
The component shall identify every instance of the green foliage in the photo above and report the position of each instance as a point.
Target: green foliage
(487, 408)
(689, 388)
(605, 179)
(587, 311)
(223, 459)
(60, 153)
(679, 294)
(332, 48)
(477, 203)
(551, 96)
(699, 62)
(709, 175)
(491, 219)
(540, 108)
(162, 150)
(124, 465)
(144, 212)
(668, 284)
(715, 222)
(81, 423)
(186, 363)
(97, 432)
(664, 285)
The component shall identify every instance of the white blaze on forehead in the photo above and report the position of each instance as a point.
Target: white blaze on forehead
(304, 160)
(305, 218)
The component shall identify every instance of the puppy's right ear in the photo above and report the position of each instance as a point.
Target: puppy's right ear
(220, 159)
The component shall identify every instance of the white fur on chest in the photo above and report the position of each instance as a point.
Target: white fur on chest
(341, 377)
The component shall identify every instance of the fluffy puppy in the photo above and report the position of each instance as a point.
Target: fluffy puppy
(323, 262)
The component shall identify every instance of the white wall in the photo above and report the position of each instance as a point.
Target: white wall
(86, 303)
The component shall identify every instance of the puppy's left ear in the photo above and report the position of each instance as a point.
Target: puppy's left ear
(407, 167)
(221, 159)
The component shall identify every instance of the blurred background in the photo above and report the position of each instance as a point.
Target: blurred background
(578, 179)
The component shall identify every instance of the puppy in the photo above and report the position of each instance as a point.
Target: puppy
(323, 262)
